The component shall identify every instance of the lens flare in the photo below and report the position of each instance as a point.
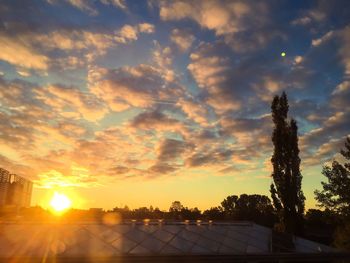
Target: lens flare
(60, 202)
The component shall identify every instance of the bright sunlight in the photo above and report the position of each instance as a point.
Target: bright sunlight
(60, 202)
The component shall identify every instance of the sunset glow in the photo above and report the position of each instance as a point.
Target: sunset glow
(139, 103)
(174, 130)
(60, 202)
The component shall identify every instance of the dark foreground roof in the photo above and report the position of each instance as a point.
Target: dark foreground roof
(152, 241)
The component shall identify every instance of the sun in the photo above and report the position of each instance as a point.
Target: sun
(60, 202)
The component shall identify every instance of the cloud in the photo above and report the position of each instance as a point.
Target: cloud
(298, 59)
(301, 21)
(182, 38)
(195, 110)
(244, 25)
(76, 177)
(320, 141)
(325, 152)
(170, 154)
(140, 86)
(249, 132)
(209, 14)
(341, 40)
(344, 52)
(156, 121)
(170, 149)
(163, 58)
(128, 32)
(308, 17)
(319, 41)
(226, 83)
(20, 113)
(217, 157)
(117, 3)
(341, 96)
(33, 119)
(68, 63)
(119, 170)
(162, 168)
(35, 50)
(146, 28)
(84, 5)
(210, 72)
(67, 100)
(17, 52)
(23, 73)
(319, 14)
(75, 39)
(88, 7)
(89, 160)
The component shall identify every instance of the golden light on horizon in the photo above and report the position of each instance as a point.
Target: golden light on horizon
(60, 202)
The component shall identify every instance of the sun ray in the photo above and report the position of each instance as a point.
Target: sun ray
(60, 202)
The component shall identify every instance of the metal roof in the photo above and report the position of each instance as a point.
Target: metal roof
(142, 239)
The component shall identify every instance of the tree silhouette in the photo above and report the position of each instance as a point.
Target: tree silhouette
(257, 208)
(176, 206)
(214, 213)
(335, 195)
(229, 205)
(286, 192)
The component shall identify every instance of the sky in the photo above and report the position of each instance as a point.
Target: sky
(142, 103)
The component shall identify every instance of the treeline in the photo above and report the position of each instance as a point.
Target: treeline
(257, 208)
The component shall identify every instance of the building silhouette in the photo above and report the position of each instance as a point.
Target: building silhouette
(14, 190)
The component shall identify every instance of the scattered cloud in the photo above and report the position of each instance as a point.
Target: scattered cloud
(107, 92)
(17, 52)
(117, 3)
(146, 28)
(141, 86)
(182, 38)
(228, 20)
(84, 5)
(319, 41)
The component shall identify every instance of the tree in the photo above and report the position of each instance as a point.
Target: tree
(257, 208)
(320, 225)
(176, 206)
(229, 205)
(286, 193)
(190, 213)
(342, 237)
(335, 195)
(214, 213)
(175, 210)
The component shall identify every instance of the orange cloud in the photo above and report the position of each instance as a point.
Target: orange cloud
(69, 99)
(19, 53)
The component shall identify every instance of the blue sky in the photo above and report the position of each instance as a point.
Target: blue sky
(113, 101)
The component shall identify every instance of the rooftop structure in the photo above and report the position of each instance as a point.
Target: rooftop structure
(14, 189)
(155, 241)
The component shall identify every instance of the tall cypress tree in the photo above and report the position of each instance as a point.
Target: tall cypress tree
(286, 193)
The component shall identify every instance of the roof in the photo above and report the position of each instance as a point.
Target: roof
(134, 239)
